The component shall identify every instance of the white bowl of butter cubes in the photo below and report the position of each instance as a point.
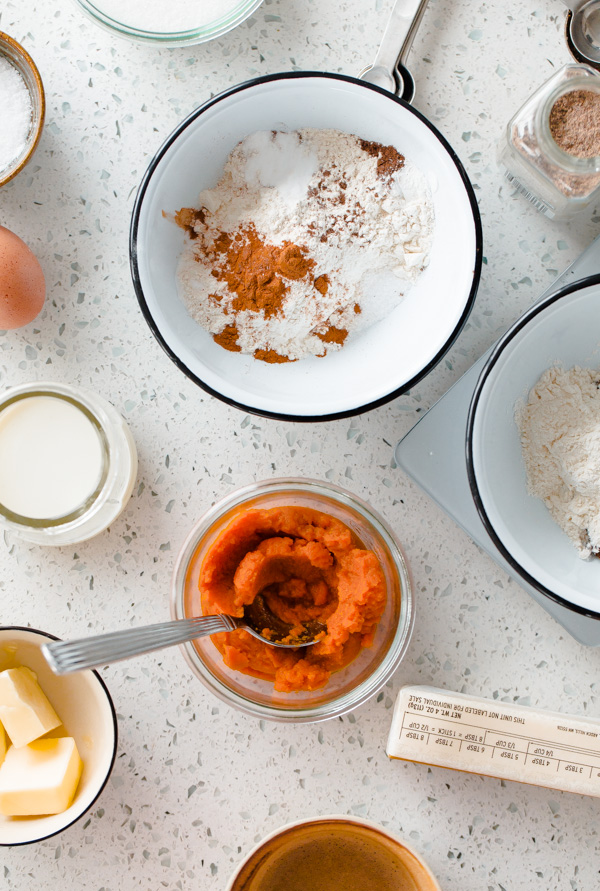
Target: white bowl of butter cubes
(58, 740)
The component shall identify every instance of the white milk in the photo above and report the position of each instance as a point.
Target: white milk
(51, 457)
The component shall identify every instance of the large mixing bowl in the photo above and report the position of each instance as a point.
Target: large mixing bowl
(386, 359)
(564, 329)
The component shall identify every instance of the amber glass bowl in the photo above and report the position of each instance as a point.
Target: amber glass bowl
(347, 688)
(20, 58)
(287, 847)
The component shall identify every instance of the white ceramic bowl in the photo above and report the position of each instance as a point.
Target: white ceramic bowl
(563, 328)
(419, 875)
(385, 360)
(84, 705)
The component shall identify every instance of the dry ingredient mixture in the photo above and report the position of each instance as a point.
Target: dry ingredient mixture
(560, 437)
(15, 113)
(308, 237)
(575, 123)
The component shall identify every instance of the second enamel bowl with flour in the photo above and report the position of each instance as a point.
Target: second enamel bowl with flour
(562, 329)
(386, 359)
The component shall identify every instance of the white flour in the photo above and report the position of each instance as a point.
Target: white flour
(560, 436)
(320, 190)
(167, 17)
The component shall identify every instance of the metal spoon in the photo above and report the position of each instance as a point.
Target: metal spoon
(65, 656)
(388, 69)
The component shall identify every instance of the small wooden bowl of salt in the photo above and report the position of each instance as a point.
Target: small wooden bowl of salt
(22, 107)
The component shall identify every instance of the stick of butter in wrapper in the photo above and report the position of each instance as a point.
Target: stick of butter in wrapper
(496, 739)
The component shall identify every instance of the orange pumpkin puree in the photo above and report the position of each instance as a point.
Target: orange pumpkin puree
(307, 565)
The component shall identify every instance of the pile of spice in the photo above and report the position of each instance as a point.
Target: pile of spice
(308, 237)
(16, 113)
(560, 437)
(575, 123)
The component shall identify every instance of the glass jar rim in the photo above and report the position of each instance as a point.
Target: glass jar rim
(574, 164)
(94, 500)
(344, 702)
(185, 37)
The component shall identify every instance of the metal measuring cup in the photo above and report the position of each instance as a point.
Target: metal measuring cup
(582, 30)
(389, 70)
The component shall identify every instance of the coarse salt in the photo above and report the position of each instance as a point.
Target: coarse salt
(15, 111)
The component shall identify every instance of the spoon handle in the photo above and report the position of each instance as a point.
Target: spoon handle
(65, 656)
(395, 45)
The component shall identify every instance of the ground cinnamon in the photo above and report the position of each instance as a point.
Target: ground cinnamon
(256, 271)
(322, 283)
(270, 356)
(333, 335)
(186, 219)
(227, 338)
(389, 159)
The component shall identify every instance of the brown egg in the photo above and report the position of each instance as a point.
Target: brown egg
(22, 284)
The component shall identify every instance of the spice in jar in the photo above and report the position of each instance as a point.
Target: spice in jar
(575, 123)
(551, 149)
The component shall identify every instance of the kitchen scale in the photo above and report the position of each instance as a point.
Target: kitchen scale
(433, 453)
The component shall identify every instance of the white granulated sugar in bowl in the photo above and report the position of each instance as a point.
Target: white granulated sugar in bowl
(560, 437)
(16, 114)
(167, 17)
(347, 227)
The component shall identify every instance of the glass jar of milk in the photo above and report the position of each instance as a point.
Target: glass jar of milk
(68, 463)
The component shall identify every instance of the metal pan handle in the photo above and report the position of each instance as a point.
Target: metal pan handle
(388, 69)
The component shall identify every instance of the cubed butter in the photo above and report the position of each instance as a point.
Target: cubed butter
(24, 707)
(40, 778)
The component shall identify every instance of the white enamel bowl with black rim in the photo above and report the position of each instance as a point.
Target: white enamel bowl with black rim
(85, 707)
(385, 360)
(564, 329)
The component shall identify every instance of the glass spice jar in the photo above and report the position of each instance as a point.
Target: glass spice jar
(557, 182)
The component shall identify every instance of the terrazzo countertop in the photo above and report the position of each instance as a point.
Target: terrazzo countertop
(195, 783)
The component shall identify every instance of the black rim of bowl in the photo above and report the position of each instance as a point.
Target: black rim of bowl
(283, 416)
(504, 341)
(34, 841)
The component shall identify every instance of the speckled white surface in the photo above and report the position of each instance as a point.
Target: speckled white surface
(195, 783)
